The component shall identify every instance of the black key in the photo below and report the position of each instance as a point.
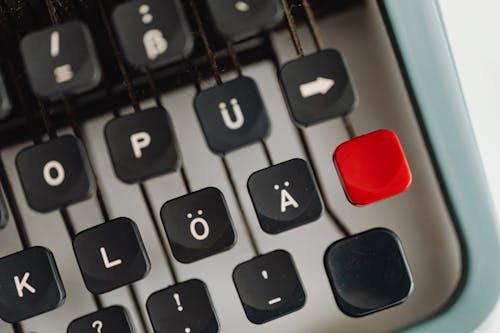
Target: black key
(5, 103)
(142, 145)
(285, 196)
(269, 286)
(55, 174)
(111, 255)
(114, 319)
(198, 225)
(61, 60)
(368, 272)
(237, 20)
(317, 87)
(185, 308)
(29, 284)
(4, 213)
(232, 115)
(152, 33)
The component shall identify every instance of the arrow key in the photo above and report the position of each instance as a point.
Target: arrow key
(317, 87)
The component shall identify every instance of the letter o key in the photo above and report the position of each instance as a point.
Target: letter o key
(59, 178)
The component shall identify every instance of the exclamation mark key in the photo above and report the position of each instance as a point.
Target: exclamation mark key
(269, 286)
(185, 308)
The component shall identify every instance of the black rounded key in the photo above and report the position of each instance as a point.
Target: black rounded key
(198, 225)
(55, 174)
(317, 87)
(232, 115)
(142, 145)
(237, 20)
(29, 284)
(285, 196)
(152, 33)
(111, 255)
(368, 272)
(269, 286)
(185, 308)
(61, 60)
(5, 102)
(114, 319)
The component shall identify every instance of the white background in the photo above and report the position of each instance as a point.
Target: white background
(474, 32)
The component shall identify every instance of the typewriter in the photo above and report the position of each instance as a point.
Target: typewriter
(202, 166)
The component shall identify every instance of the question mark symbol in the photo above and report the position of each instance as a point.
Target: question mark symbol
(97, 325)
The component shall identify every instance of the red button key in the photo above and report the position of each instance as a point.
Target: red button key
(372, 167)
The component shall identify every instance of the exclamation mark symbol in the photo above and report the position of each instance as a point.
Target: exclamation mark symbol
(178, 302)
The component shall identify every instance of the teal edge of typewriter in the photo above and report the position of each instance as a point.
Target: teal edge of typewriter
(420, 39)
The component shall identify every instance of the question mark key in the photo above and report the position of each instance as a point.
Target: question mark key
(114, 319)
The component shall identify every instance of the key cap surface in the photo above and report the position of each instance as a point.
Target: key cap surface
(152, 33)
(61, 60)
(269, 286)
(232, 115)
(114, 319)
(368, 272)
(198, 225)
(317, 87)
(285, 196)
(142, 145)
(185, 307)
(55, 174)
(111, 255)
(237, 20)
(29, 284)
(372, 167)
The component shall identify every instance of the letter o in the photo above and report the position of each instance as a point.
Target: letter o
(204, 224)
(59, 178)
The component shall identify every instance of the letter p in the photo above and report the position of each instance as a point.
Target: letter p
(139, 141)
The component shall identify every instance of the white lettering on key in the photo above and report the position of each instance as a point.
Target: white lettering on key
(139, 141)
(23, 284)
(54, 44)
(108, 264)
(59, 170)
(204, 224)
(274, 300)
(154, 43)
(98, 325)
(286, 198)
(63, 73)
(319, 86)
(238, 121)
(177, 299)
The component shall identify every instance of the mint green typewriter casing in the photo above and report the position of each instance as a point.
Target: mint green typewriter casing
(420, 40)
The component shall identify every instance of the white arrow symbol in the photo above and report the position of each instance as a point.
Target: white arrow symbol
(319, 86)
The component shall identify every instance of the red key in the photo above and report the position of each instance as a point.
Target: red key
(372, 167)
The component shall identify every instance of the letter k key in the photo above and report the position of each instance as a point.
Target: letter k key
(29, 284)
